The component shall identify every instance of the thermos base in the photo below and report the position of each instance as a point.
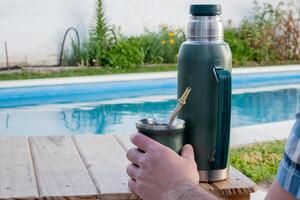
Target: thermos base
(213, 175)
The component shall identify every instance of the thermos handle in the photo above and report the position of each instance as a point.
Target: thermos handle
(223, 78)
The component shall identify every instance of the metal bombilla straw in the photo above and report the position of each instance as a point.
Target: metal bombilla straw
(179, 105)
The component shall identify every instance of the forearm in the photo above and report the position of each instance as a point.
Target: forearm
(278, 193)
(190, 191)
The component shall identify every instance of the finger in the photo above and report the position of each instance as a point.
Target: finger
(188, 152)
(143, 142)
(132, 171)
(132, 186)
(134, 155)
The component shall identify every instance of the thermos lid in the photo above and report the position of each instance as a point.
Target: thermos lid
(205, 9)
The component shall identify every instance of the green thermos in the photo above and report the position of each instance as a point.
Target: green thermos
(204, 64)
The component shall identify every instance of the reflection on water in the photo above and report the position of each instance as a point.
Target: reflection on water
(113, 117)
(247, 109)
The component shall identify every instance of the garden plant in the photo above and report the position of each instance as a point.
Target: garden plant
(268, 35)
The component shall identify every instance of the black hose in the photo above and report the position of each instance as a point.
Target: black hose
(63, 45)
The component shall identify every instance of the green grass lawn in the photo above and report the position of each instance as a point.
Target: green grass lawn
(87, 71)
(260, 161)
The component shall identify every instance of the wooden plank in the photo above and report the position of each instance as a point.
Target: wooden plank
(17, 179)
(238, 197)
(237, 184)
(107, 162)
(60, 170)
(124, 140)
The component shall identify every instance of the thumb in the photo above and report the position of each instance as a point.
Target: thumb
(188, 152)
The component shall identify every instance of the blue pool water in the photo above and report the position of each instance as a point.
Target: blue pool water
(114, 107)
(23, 96)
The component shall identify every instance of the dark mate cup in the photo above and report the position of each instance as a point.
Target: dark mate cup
(170, 136)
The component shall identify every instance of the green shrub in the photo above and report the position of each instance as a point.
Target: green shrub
(259, 31)
(126, 53)
(267, 35)
(241, 50)
(151, 46)
(104, 48)
(148, 48)
(270, 34)
(161, 46)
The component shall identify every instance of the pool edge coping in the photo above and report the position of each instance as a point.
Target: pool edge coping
(257, 133)
(134, 77)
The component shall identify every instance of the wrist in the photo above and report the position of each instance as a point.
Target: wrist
(188, 191)
(182, 190)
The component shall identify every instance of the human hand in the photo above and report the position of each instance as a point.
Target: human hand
(158, 172)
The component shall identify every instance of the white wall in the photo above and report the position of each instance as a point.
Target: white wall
(34, 29)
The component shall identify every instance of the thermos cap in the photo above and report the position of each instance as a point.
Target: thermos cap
(205, 9)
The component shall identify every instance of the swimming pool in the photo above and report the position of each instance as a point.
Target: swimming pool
(115, 106)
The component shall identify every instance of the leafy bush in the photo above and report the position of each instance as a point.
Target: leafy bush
(150, 47)
(258, 31)
(269, 34)
(126, 53)
(104, 48)
(241, 50)
(161, 46)
(288, 33)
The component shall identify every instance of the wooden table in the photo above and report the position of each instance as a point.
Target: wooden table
(81, 167)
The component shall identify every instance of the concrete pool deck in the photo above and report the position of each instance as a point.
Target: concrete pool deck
(246, 135)
(135, 76)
